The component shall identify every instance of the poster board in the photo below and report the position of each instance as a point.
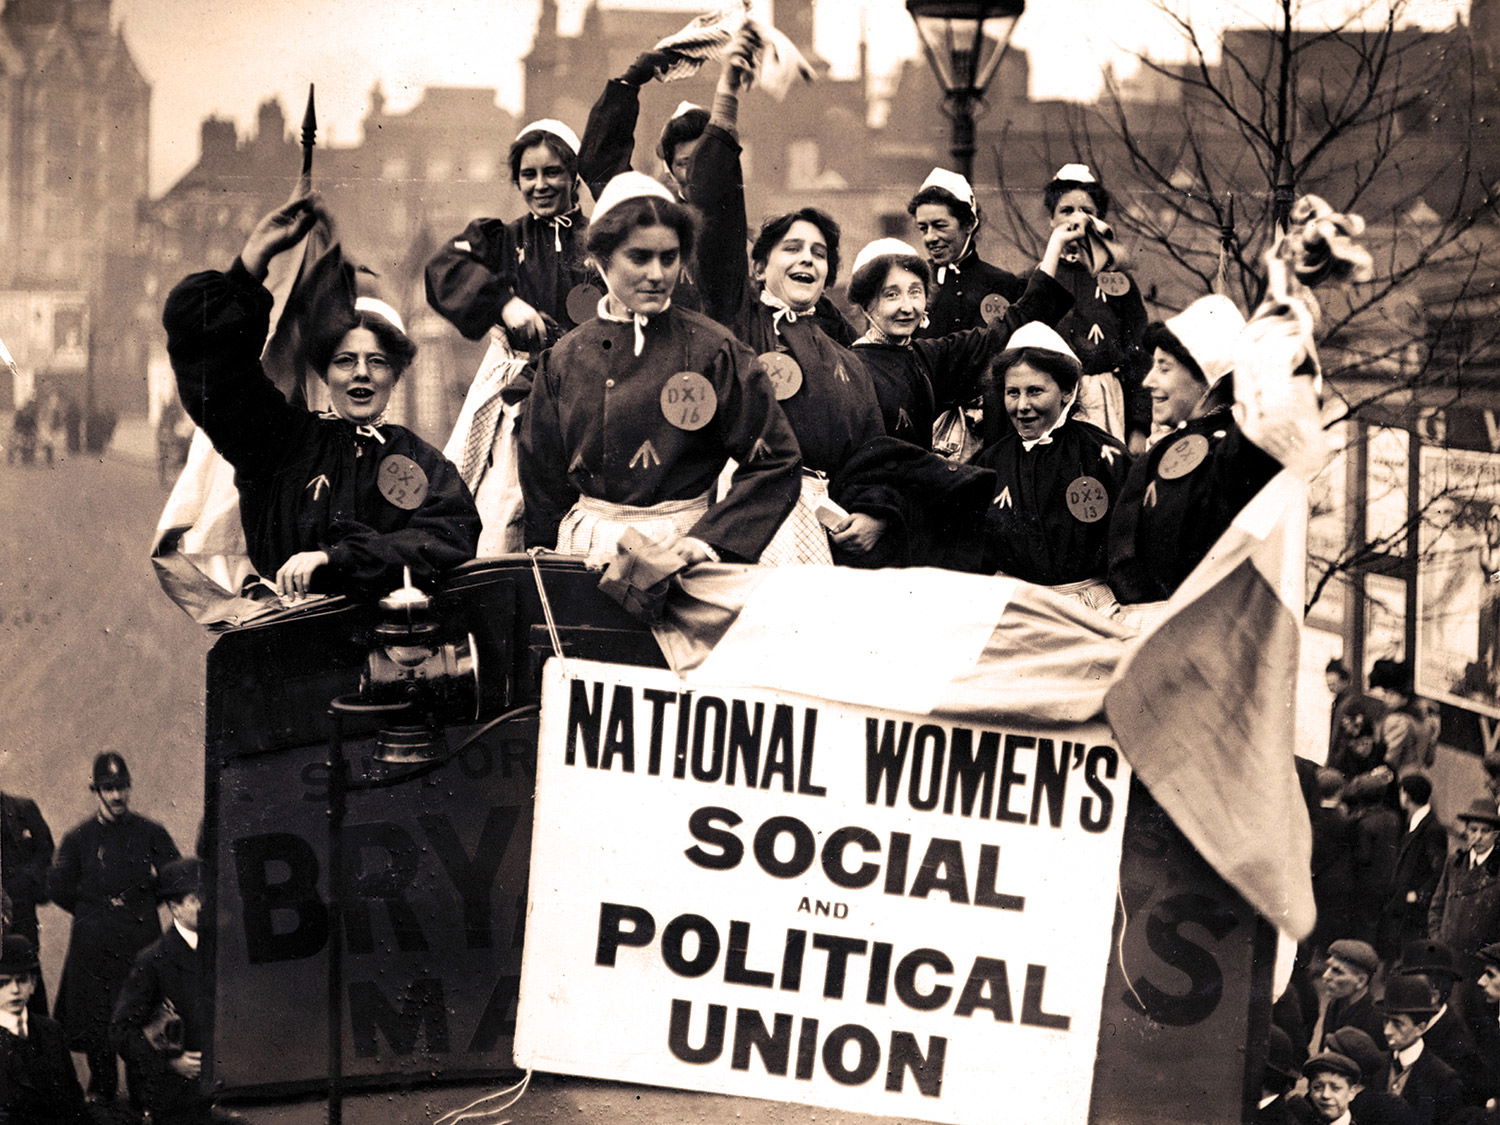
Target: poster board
(898, 916)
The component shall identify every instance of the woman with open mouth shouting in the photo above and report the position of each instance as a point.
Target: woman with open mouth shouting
(633, 415)
(524, 277)
(1056, 477)
(774, 300)
(334, 503)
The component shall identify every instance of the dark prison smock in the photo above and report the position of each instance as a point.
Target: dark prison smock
(1105, 334)
(472, 277)
(105, 876)
(1048, 522)
(918, 380)
(1178, 499)
(957, 301)
(834, 412)
(594, 426)
(308, 482)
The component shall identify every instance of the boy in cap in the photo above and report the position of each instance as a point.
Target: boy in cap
(1427, 1084)
(37, 1079)
(1332, 1082)
(105, 874)
(157, 1022)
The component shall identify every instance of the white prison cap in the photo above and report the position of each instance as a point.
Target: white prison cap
(1076, 174)
(1208, 329)
(951, 182)
(382, 310)
(684, 108)
(881, 248)
(628, 185)
(557, 129)
(1035, 334)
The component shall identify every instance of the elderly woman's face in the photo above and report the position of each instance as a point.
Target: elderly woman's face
(1033, 400)
(942, 234)
(1173, 388)
(796, 269)
(544, 183)
(897, 307)
(360, 377)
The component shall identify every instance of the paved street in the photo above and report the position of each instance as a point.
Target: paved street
(95, 657)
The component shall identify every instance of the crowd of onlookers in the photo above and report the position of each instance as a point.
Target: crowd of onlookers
(130, 989)
(1391, 1014)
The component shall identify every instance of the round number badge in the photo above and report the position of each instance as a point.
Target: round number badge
(1087, 500)
(993, 307)
(402, 481)
(583, 302)
(1184, 455)
(1113, 284)
(688, 401)
(785, 373)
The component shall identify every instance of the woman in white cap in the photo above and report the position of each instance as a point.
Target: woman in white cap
(334, 503)
(1108, 316)
(772, 297)
(634, 414)
(966, 290)
(915, 379)
(1056, 477)
(526, 276)
(1181, 496)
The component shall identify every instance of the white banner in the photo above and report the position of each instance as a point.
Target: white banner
(769, 895)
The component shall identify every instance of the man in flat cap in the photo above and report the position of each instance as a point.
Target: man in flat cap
(1486, 1019)
(1352, 965)
(158, 1020)
(1332, 1082)
(37, 1079)
(1465, 912)
(1425, 1082)
(105, 875)
(1277, 1078)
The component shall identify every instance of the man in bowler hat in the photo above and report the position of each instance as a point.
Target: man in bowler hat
(37, 1079)
(1424, 1081)
(1465, 911)
(105, 875)
(158, 1023)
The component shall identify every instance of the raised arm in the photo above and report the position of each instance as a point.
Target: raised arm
(216, 327)
(609, 134)
(716, 186)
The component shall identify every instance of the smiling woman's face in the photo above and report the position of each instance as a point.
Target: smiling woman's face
(898, 306)
(796, 269)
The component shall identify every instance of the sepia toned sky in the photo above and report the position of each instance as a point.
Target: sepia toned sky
(226, 56)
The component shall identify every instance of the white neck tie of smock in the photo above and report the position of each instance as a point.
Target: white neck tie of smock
(1046, 438)
(783, 311)
(640, 320)
(558, 222)
(955, 265)
(370, 430)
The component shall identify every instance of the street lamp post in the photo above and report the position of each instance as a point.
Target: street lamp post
(964, 41)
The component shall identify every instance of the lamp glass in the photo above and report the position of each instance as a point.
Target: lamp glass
(964, 41)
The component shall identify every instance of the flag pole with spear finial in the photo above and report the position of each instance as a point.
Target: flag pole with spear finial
(309, 139)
